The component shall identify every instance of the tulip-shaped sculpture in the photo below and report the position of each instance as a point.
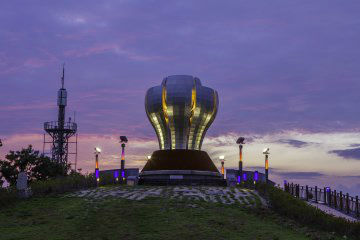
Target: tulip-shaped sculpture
(181, 110)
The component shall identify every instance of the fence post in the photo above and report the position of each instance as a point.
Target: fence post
(329, 197)
(335, 201)
(357, 206)
(316, 200)
(298, 191)
(291, 189)
(307, 193)
(325, 196)
(347, 204)
(341, 201)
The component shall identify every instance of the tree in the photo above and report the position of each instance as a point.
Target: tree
(35, 165)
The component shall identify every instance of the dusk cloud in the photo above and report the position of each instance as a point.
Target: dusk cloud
(286, 72)
(299, 175)
(353, 153)
(294, 143)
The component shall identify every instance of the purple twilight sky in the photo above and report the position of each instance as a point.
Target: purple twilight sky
(287, 74)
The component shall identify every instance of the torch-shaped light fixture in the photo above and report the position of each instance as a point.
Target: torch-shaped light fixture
(97, 152)
(240, 141)
(123, 140)
(222, 159)
(266, 152)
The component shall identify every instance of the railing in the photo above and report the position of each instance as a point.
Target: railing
(337, 200)
(55, 126)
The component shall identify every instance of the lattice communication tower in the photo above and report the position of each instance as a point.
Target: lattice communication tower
(61, 131)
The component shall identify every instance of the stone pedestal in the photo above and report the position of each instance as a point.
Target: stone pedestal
(22, 187)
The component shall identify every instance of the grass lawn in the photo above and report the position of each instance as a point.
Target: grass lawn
(152, 218)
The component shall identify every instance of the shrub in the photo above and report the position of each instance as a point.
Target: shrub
(288, 206)
(7, 196)
(61, 185)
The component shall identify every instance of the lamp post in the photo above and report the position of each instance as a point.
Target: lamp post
(222, 159)
(123, 140)
(97, 152)
(266, 152)
(240, 141)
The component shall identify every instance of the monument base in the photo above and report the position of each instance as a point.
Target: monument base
(181, 177)
(180, 167)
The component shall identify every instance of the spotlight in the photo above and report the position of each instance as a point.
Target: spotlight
(266, 151)
(241, 140)
(123, 139)
(97, 150)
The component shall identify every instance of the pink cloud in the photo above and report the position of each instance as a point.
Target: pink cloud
(110, 48)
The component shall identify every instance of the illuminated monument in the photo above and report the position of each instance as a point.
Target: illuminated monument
(181, 110)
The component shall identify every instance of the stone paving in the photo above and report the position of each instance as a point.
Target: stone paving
(225, 195)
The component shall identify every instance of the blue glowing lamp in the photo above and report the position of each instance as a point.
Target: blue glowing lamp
(97, 174)
(256, 176)
(116, 175)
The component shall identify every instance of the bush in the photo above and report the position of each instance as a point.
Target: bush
(288, 206)
(61, 185)
(7, 196)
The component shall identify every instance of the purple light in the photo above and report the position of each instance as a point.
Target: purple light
(123, 174)
(327, 189)
(285, 182)
(256, 175)
(97, 173)
(244, 176)
(116, 174)
(239, 179)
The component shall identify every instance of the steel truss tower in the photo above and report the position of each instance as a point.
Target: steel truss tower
(61, 131)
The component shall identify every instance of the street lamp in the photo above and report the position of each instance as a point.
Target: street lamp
(148, 157)
(123, 140)
(222, 159)
(266, 152)
(97, 152)
(240, 141)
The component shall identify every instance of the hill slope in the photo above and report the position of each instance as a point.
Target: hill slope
(96, 216)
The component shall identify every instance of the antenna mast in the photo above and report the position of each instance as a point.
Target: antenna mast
(63, 76)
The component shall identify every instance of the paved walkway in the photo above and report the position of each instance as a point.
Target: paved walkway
(332, 211)
(223, 195)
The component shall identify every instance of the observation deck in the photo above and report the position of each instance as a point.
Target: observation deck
(53, 127)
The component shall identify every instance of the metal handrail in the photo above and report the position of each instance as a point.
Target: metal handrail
(55, 125)
(336, 199)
